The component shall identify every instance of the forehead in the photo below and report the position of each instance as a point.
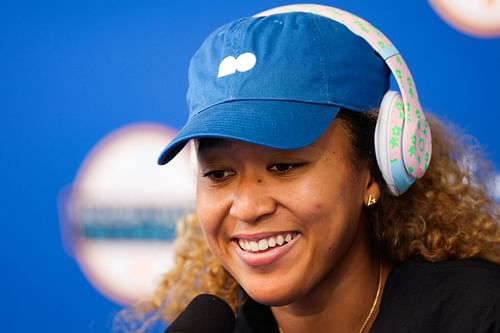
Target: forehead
(215, 149)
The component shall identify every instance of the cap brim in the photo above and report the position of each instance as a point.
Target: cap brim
(275, 124)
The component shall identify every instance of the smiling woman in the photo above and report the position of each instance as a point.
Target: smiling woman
(308, 204)
(318, 209)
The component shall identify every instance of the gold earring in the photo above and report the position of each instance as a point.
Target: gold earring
(371, 201)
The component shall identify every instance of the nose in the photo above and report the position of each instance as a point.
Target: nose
(251, 201)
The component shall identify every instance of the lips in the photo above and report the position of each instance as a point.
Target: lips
(264, 249)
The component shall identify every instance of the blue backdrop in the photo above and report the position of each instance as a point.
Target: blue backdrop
(73, 71)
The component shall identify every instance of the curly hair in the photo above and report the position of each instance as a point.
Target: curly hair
(447, 214)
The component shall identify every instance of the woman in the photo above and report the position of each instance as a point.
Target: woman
(304, 223)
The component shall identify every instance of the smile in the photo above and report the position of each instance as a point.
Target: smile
(263, 244)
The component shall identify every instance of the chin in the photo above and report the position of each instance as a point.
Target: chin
(271, 300)
(278, 296)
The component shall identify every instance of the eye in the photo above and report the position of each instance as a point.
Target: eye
(218, 174)
(283, 167)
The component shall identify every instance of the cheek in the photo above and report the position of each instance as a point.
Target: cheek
(211, 215)
(309, 207)
(210, 229)
(328, 207)
(206, 215)
(311, 199)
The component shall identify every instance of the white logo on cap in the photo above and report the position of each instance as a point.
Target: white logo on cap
(229, 65)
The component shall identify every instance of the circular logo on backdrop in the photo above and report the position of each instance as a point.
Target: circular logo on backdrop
(474, 17)
(120, 213)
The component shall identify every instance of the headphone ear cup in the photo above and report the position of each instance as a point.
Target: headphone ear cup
(389, 144)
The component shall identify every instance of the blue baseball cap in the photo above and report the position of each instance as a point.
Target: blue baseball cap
(278, 81)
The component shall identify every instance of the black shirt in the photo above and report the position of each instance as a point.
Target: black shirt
(450, 296)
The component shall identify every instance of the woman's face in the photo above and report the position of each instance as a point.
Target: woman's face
(284, 223)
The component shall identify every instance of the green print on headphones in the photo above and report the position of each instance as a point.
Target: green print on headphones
(362, 26)
(334, 12)
(399, 75)
(427, 157)
(411, 150)
(408, 113)
(418, 117)
(398, 59)
(410, 85)
(399, 106)
(421, 145)
(395, 138)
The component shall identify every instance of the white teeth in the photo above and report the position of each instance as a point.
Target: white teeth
(265, 243)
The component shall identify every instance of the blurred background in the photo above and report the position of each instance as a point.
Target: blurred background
(90, 91)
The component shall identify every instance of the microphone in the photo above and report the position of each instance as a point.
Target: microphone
(204, 314)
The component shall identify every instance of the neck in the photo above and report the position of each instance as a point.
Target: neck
(341, 302)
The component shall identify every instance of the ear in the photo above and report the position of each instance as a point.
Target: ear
(372, 190)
